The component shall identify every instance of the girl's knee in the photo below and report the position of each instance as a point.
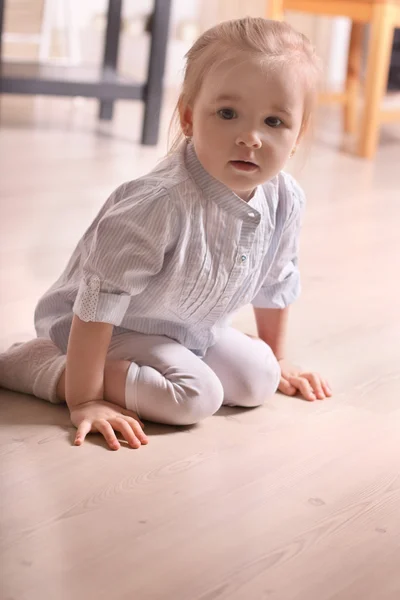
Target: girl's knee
(261, 383)
(202, 398)
(181, 398)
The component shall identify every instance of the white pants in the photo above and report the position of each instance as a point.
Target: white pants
(167, 383)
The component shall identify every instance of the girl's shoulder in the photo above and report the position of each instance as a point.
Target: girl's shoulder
(156, 187)
(289, 187)
(290, 197)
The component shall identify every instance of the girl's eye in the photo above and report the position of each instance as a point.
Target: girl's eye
(273, 122)
(227, 113)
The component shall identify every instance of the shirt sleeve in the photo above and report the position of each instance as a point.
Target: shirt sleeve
(282, 284)
(127, 247)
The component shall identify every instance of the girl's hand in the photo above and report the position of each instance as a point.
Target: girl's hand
(311, 385)
(105, 417)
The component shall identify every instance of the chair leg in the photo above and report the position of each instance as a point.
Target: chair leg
(353, 77)
(275, 10)
(380, 46)
(155, 72)
(111, 47)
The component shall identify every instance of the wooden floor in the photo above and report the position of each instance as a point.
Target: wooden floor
(292, 501)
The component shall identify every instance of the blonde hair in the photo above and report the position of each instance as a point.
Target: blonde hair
(258, 37)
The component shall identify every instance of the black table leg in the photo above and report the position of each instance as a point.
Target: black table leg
(2, 2)
(155, 74)
(111, 47)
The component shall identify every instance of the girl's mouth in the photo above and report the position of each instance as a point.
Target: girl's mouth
(243, 165)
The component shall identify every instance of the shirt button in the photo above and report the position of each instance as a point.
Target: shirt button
(243, 258)
(251, 214)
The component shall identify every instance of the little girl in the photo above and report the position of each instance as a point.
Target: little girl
(137, 326)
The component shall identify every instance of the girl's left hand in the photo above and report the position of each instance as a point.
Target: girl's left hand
(311, 385)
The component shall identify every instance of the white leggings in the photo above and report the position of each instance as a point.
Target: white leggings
(167, 383)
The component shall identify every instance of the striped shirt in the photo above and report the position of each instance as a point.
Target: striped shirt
(175, 253)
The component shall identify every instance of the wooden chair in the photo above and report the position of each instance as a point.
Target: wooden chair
(383, 17)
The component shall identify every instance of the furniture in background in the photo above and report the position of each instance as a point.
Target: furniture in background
(383, 16)
(105, 83)
(394, 72)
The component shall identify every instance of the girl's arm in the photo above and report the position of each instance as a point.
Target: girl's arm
(84, 388)
(86, 357)
(271, 327)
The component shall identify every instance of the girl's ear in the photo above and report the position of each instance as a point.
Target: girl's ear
(186, 118)
(302, 133)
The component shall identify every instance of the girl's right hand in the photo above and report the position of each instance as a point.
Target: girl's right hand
(104, 417)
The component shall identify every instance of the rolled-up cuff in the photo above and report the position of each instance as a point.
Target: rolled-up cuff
(91, 304)
(279, 295)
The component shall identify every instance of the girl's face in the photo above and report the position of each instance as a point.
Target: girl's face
(246, 121)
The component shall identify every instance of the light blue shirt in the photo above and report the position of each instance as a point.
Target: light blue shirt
(175, 253)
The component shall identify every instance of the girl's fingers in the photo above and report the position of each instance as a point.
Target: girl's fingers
(316, 384)
(123, 427)
(83, 429)
(137, 428)
(286, 388)
(304, 387)
(327, 388)
(132, 415)
(107, 431)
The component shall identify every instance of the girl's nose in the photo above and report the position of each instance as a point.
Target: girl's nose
(250, 139)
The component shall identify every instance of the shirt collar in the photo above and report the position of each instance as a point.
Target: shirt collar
(217, 191)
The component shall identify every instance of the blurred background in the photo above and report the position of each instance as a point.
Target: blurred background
(71, 33)
(24, 35)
